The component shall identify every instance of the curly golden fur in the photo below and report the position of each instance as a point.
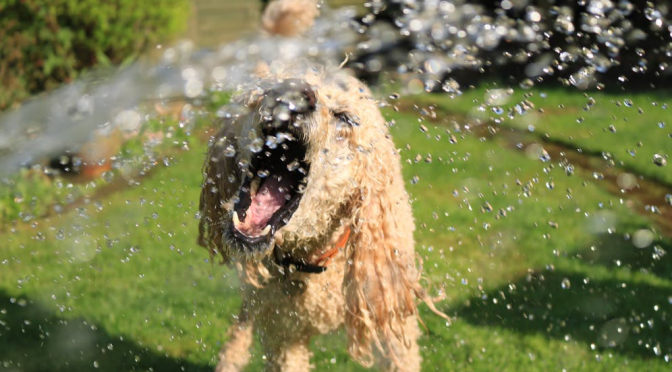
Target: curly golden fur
(355, 183)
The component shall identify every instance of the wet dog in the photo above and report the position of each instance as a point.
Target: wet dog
(303, 193)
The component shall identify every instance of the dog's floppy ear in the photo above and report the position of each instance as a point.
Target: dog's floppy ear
(381, 280)
(221, 181)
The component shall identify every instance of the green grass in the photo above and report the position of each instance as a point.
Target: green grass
(536, 278)
(641, 121)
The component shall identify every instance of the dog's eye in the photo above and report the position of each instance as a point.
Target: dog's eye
(346, 118)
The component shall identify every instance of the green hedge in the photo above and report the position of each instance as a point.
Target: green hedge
(44, 43)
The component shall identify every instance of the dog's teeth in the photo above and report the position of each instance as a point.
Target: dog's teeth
(236, 220)
(266, 230)
(254, 186)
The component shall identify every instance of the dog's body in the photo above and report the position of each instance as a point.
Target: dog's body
(350, 205)
(286, 312)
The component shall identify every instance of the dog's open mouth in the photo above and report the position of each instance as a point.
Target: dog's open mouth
(267, 200)
(276, 177)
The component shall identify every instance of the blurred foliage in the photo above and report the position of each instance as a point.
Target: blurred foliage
(44, 43)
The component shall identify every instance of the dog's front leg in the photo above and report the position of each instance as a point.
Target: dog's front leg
(288, 355)
(235, 354)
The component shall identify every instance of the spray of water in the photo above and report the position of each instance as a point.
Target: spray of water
(434, 43)
(66, 118)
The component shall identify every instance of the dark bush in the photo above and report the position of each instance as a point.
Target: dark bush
(44, 43)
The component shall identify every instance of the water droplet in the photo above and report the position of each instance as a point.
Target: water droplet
(293, 166)
(230, 151)
(613, 333)
(451, 86)
(569, 169)
(642, 238)
(272, 142)
(193, 88)
(263, 173)
(527, 84)
(626, 181)
(256, 145)
(108, 176)
(659, 160)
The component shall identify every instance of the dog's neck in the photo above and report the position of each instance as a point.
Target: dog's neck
(317, 262)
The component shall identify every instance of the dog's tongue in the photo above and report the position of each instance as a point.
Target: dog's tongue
(269, 198)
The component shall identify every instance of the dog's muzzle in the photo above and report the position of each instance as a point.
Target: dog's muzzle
(277, 174)
(284, 106)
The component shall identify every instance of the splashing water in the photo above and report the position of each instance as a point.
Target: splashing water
(430, 41)
(65, 118)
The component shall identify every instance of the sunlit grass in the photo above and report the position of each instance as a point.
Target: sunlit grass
(537, 278)
(629, 128)
(504, 277)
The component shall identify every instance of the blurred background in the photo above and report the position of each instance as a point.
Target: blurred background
(534, 134)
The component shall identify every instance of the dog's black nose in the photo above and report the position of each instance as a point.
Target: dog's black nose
(296, 94)
(287, 100)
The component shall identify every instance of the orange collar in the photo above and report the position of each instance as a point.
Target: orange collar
(327, 256)
(320, 264)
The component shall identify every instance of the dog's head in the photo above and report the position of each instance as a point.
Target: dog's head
(290, 168)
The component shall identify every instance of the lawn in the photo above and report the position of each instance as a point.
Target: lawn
(634, 130)
(542, 270)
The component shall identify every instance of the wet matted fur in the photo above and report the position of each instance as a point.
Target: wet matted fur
(352, 183)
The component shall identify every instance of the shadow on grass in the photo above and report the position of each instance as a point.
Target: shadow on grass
(629, 317)
(612, 251)
(33, 339)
